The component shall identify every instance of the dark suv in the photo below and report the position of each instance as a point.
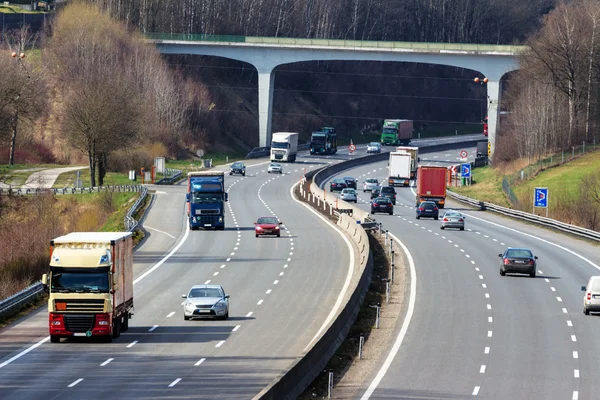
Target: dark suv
(238, 168)
(350, 182)
(388, 191)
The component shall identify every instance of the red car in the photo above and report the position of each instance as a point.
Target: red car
(267, 226)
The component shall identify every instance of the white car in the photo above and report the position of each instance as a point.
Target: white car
(275, 168)
(206, 301)
(349, 195)
(591, 298)
(374, 147)
(369, 184)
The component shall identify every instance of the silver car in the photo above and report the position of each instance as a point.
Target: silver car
(369, 184)
(275, 168)
(453, 219)
(374, 147)
(206, 301)
(349, 195)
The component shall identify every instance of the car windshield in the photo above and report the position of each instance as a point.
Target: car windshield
(427, 205)
(267, 220)
(237, 165)
(206, 198)
(339, 181)
(382, 200)
(205, 292)
(371, 180)
(523, 253)
(349, 178)
(388, 190)
(348, 191)
(373, 144)
(452, 214)
(275, 165)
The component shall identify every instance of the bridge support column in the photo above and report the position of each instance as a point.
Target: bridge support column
(493, 98)
(266, 80)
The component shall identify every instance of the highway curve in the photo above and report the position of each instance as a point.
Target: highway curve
(475, 333)
(282, 291)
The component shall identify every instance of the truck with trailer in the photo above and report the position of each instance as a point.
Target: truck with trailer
(431, 184)
(90, 285)
(396, 132)
(399, 167)
(206, 197)
(284, 146)
(323, 142)
(414, 154)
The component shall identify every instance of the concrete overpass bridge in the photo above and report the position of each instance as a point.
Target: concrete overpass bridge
(266, 53)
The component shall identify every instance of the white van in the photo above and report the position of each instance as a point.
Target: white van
(591, 299)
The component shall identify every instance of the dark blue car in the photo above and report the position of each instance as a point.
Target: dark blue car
(428, 209)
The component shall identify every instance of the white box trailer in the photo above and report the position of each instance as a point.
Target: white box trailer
(284, 146)
(414, 153)
(399, 169)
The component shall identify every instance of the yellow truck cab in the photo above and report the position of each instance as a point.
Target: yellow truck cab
(90, 285)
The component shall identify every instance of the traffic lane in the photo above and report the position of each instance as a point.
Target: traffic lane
(149, 297)
(164, 211)
(449, 324)
(530, 354)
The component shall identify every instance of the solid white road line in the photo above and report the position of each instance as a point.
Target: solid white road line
(76, 382)
(27, 350)
(159, 231)
(200, 362)
(106, 362)
(405, 324)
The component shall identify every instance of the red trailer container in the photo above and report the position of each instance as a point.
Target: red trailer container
(431, 184)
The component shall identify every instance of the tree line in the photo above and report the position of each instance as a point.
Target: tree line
(460, 21)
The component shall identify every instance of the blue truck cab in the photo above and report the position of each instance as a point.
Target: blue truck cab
(206, 199)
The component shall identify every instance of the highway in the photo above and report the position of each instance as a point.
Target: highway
(282, 292)
(475, 333)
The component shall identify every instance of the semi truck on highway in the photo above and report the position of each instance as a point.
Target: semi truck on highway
(431, 184)
(399, 167)
(206, 199)
(396, 132)
(414, 163)
(323, 142)
(284, 146)
(90, 285)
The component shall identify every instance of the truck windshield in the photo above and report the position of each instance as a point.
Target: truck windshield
(203, 198)
(81, 282)
(279, 145)
(390, 131)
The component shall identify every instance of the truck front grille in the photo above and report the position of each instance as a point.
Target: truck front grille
(210, 212)
(78, 323)
(80, 305)
(206, 219)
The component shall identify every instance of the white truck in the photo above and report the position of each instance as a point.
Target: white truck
(284, 146)
(399, 168)
(414, 153)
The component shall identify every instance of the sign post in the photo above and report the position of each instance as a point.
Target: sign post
(465, 171)
(463, 155)
(351, 148)
(540, 199)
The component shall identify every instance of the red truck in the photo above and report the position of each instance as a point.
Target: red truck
(431, 184)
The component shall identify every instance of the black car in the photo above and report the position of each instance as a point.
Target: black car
(428, 209)
(382, 205)
(238, 167)
(517, 260)
(337, 185)
(350, 182)
(375, 192)
(389, 191)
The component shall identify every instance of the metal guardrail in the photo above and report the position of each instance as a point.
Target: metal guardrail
(130, 222)
(72, 190)
(15, 302)
(171, 175)
(549, 222)
(283, 41)
(258, 152)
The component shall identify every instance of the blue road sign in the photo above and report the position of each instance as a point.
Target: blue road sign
(540, 198)
(465, 170)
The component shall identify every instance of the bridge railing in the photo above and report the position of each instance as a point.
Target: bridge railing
(423, 46)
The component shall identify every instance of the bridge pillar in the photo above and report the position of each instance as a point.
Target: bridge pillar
(493, 97)
(266, 80)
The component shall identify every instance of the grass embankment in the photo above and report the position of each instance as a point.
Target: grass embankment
(16, 175)
(486, 185)
(67, 179)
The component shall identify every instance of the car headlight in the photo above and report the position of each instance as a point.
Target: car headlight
(258, 228)
(189, 306)
(220, 303)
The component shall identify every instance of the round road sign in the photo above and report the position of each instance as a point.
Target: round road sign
(351, 148)
(463, 154)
